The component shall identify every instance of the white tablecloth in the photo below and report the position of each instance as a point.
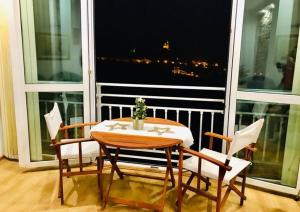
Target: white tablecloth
(178, 132)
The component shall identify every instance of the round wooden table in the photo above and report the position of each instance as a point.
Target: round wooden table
(137, 142)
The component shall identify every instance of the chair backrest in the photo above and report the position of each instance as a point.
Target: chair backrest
(53, 121)
(244, 137)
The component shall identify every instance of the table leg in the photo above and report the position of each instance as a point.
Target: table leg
(117, 154)
(111, 176)
(114, 167)
(112, 161)
(179, 191)
(163, 198)
(169, 164)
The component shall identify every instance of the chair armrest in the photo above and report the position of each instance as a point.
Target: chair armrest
(71, 141)
(249, 150)
(222, 137)
(252, 149)
(77, 125)
(215, 135)
(205, 157)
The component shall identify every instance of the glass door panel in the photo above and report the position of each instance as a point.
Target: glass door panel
(56, 56)
(277, 158)
(71, 108)
(269, 46)
(55, 50)
(269, 87)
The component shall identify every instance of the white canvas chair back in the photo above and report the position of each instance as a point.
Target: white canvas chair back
(53, 121)
(244, 137)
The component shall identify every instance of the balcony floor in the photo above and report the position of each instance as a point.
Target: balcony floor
(36, 190)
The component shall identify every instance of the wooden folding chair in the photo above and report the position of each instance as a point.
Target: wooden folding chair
(77, 148)
(222, 167)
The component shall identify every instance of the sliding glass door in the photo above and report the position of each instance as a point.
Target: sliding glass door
(56, 69)
(267, 63)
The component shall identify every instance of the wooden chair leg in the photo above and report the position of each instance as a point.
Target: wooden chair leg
(205, 180)
(179, 190)
(66, 162)
(185, 188)
(99, 176)
(100, 164)
(230, 186)
(61, 189)
(243, 187)
(198, 181)
(207, 184)
(219, 193)
(188, 183)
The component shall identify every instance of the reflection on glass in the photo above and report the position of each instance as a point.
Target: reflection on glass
(269, 46)
(71, 109)
(277, 158)
(57, 39)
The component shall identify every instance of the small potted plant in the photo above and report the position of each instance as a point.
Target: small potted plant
(139, 114)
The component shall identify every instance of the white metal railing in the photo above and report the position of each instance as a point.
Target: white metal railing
(200, 112)
(47, 105)
(280, 119)
(164, 109)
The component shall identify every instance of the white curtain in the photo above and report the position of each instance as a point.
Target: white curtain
(6, 88)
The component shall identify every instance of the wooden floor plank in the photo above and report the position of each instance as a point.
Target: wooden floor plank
(36, 190)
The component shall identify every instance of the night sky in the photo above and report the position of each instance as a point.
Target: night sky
(195, 29)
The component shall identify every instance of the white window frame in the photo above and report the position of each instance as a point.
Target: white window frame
(21, 88)
(234, 95)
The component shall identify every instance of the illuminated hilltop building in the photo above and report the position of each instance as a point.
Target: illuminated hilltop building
(166, 45)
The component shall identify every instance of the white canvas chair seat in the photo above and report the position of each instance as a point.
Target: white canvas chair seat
(211, 170)
(90, 149)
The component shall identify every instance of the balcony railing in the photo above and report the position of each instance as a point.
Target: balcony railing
(117, 100)
(111, 103)
(271, 138)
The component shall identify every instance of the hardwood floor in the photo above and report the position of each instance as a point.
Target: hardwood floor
(36, 190)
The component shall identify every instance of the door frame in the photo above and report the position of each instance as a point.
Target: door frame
(91, 57)
(21, 88)
(234, 94)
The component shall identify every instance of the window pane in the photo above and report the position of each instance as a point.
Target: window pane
(57, 38)
(71, 108)
(277, 158)
(269, 46)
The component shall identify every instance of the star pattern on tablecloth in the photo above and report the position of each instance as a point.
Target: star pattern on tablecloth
(161, 130)
(117, 126)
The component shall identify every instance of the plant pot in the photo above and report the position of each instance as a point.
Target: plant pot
(138, 124)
